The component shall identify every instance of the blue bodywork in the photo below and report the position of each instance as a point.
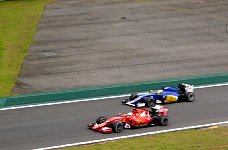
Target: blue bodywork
(166, 95)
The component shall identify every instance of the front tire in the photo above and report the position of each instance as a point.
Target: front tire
(101, 119)
(117, 127)
(133, 96)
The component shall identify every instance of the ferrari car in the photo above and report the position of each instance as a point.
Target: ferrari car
(134, 119)
(168, 94)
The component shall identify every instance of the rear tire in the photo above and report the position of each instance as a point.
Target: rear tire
(117, 127)
(164, 121)
(101, 119)
(190, 97)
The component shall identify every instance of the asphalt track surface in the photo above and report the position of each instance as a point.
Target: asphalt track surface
(89, 43)
(47, 126)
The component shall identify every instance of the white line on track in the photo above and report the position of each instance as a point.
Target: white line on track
(133, 135)
(98, 98)
(211, 85)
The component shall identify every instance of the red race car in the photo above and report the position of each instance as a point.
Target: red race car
(134, 119)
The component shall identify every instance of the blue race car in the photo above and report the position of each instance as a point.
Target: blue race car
(168, 94)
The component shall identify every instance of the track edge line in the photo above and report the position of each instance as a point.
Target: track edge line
(133, 135)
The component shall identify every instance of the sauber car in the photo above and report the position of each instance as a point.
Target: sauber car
(134, 119)
(168, 94)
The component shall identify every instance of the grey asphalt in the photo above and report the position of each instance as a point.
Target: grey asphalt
(46, 126)
(88, 43)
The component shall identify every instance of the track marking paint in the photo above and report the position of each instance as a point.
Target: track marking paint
(213, 85)
(94, 99)
(133, 135)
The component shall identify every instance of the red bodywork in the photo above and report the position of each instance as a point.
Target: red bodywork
(135, 118)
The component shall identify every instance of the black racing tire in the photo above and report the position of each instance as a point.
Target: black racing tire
(101, 119)
(150, 102)
(133, 96)
(190, 97)
(163, 121)
(90, 125)
(117, 127)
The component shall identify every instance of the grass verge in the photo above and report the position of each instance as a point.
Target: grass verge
(18, 22)
(194, 139)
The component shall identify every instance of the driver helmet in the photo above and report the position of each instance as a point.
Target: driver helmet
(159, 92)
(181, 85)
(150, 91)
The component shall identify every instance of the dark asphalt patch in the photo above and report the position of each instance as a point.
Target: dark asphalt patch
(92, 43)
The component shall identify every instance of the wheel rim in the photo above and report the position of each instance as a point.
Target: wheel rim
(152, 104)
(191, 97)
(164, 121)
(119, 127)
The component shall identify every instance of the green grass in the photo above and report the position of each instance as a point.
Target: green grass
(18, 22)
(208, 139)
